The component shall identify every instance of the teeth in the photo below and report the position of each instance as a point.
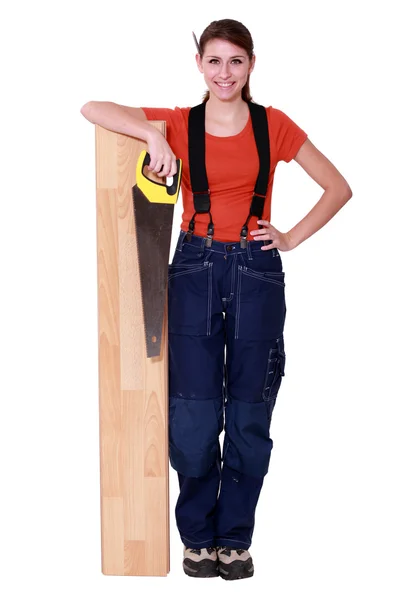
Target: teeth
(224, 84)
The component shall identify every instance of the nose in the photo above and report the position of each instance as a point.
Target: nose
(225, 72)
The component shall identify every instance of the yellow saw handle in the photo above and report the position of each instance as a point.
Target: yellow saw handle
(157, 192)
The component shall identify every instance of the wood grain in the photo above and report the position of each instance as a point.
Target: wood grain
(133, 392)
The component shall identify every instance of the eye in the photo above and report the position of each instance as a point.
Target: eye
(234, 61)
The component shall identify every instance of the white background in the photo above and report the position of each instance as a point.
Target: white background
(327, 523)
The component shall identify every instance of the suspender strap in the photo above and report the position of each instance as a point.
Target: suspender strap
(197, 166)
(261, 134)
(197, 158)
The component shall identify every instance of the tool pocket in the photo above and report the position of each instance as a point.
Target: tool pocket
(275, 371)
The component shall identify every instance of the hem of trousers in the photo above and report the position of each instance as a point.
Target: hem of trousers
(198, 545)
(232, 543)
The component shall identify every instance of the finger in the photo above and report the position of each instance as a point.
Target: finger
(268, 228)
(174, 168)
(152, 163)
(158, 166)
(166, 167)
(275, 243)
(269, 247)
(156, 163)
(262, 235)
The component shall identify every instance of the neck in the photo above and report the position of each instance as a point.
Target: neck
(229, 110)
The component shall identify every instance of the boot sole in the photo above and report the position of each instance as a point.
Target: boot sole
(202, 569)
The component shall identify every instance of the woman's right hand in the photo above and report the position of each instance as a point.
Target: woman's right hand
(162, 158)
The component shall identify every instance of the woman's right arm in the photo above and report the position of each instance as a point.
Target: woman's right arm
(133, 122)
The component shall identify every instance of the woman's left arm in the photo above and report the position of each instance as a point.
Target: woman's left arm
(337, 193)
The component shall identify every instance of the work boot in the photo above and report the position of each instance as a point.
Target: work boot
(200, 562)
(234, 563)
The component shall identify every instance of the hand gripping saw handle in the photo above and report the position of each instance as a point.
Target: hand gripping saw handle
(155, 192)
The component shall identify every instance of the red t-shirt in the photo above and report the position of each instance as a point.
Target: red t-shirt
(232, 168)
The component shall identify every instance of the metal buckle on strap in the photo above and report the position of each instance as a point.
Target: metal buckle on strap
(210, 233)
(189, 233)
(243, 237)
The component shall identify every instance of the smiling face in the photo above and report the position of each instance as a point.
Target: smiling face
(226, 68)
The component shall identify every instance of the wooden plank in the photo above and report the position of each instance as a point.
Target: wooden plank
(133, 393)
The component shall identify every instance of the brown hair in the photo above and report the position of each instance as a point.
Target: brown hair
(235, 33)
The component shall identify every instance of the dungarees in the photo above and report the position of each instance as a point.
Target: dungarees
(226, 306)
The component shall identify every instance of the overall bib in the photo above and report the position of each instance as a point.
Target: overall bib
(226, 305)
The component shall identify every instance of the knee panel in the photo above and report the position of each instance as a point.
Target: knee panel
(247, 445)
(194, 429)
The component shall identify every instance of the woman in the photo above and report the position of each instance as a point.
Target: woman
(226, 290)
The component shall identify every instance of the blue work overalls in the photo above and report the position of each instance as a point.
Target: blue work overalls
(226, 309)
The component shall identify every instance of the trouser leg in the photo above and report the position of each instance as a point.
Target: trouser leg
(254, 369)
(247, 442)
(195, 424)
(196, 363)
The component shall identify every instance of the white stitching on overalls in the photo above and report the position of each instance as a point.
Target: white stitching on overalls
(238, 301)
(232, 292)
(210, 289)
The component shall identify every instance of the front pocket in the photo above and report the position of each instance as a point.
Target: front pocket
(261, 307)
(190, 299)
(176, 270)
(277, 277)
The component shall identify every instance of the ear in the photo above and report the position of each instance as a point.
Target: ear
(252, 63)
(199, 63)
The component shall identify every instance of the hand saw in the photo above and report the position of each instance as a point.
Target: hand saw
(153, 205)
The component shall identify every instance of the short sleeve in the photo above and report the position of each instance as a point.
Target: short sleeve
(174, 119)
(289, 137)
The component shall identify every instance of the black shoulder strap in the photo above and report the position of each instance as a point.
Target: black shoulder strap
(197, 158)
(261, 134)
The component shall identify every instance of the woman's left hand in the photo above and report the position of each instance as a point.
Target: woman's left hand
(269, 232)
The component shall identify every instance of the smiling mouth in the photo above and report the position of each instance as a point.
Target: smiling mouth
(225, 85)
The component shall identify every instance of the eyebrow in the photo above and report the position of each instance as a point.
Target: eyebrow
(237, 56)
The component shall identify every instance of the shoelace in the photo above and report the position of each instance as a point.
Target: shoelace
(198, 550)
(210, 550)
(228, 550)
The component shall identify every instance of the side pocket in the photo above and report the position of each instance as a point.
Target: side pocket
(275, 371)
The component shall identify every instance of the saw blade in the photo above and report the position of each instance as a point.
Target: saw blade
(153, 235)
